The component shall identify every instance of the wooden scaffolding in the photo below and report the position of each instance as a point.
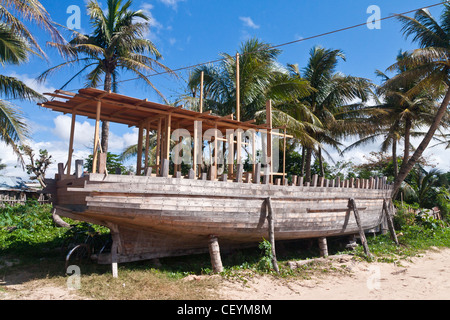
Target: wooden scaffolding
(163, 120)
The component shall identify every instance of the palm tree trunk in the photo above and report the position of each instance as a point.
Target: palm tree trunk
(308, 165)
(105, 124)
(321, 169)
(302, 165)
(394, 156)
(407, 142)
(404, 170)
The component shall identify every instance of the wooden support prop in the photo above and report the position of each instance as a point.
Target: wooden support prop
(79, 168)
(102, 163)
(212, 173)
(390, 222)
(191, 174)
(165, 168)
(314, 180)
(323, 246)
(61, 170)
(352, 206)
(114, 249)
(257, 178)
(271, 223)
(239, 171)
(266, 178)
(214, 252)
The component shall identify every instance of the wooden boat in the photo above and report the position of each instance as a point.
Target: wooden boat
(157, 215)
(152, 217)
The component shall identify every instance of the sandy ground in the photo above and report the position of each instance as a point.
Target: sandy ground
(421, 278)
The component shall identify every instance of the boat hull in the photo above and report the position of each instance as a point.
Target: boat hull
(154, 217)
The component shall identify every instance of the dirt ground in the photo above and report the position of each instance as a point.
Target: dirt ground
(420, 278)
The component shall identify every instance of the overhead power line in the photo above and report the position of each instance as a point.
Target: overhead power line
(280, 45)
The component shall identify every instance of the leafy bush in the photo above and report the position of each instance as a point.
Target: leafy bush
(405, 215)
(443, 202)
(28, 224)
(265, 262)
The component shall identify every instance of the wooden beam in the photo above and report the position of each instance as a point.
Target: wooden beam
(158, 144)
(72, 132)
(96, 137)
(201, 92)
(238, 94)
(269, 135)
(147, 144)
(271, 223)
(139, 150)
(168, 131)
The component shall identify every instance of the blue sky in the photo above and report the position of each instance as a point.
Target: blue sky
(188, 32)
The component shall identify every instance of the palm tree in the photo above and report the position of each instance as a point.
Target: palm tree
(399, 113)
(430, 64)
(30, 11)
(16, 44)
(331, 102)
(261, 78)
(116, 44)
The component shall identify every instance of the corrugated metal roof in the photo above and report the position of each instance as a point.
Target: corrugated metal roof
(12, 183)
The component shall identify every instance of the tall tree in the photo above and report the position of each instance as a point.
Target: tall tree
(261, 78)
(332, 101)
(117, 43)
(400, 110)
(17, 43)
(430, 64)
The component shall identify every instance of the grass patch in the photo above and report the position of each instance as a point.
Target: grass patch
(30, 247)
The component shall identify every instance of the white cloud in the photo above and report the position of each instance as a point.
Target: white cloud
(248, 22)
(33, 83)
(171, 3)
(155, 26)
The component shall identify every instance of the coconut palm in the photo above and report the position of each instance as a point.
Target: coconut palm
(261, 78)
(430, 64)
(16, 44)
(12, 12)
(398, 112)
(116, 44)
(331, 102)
